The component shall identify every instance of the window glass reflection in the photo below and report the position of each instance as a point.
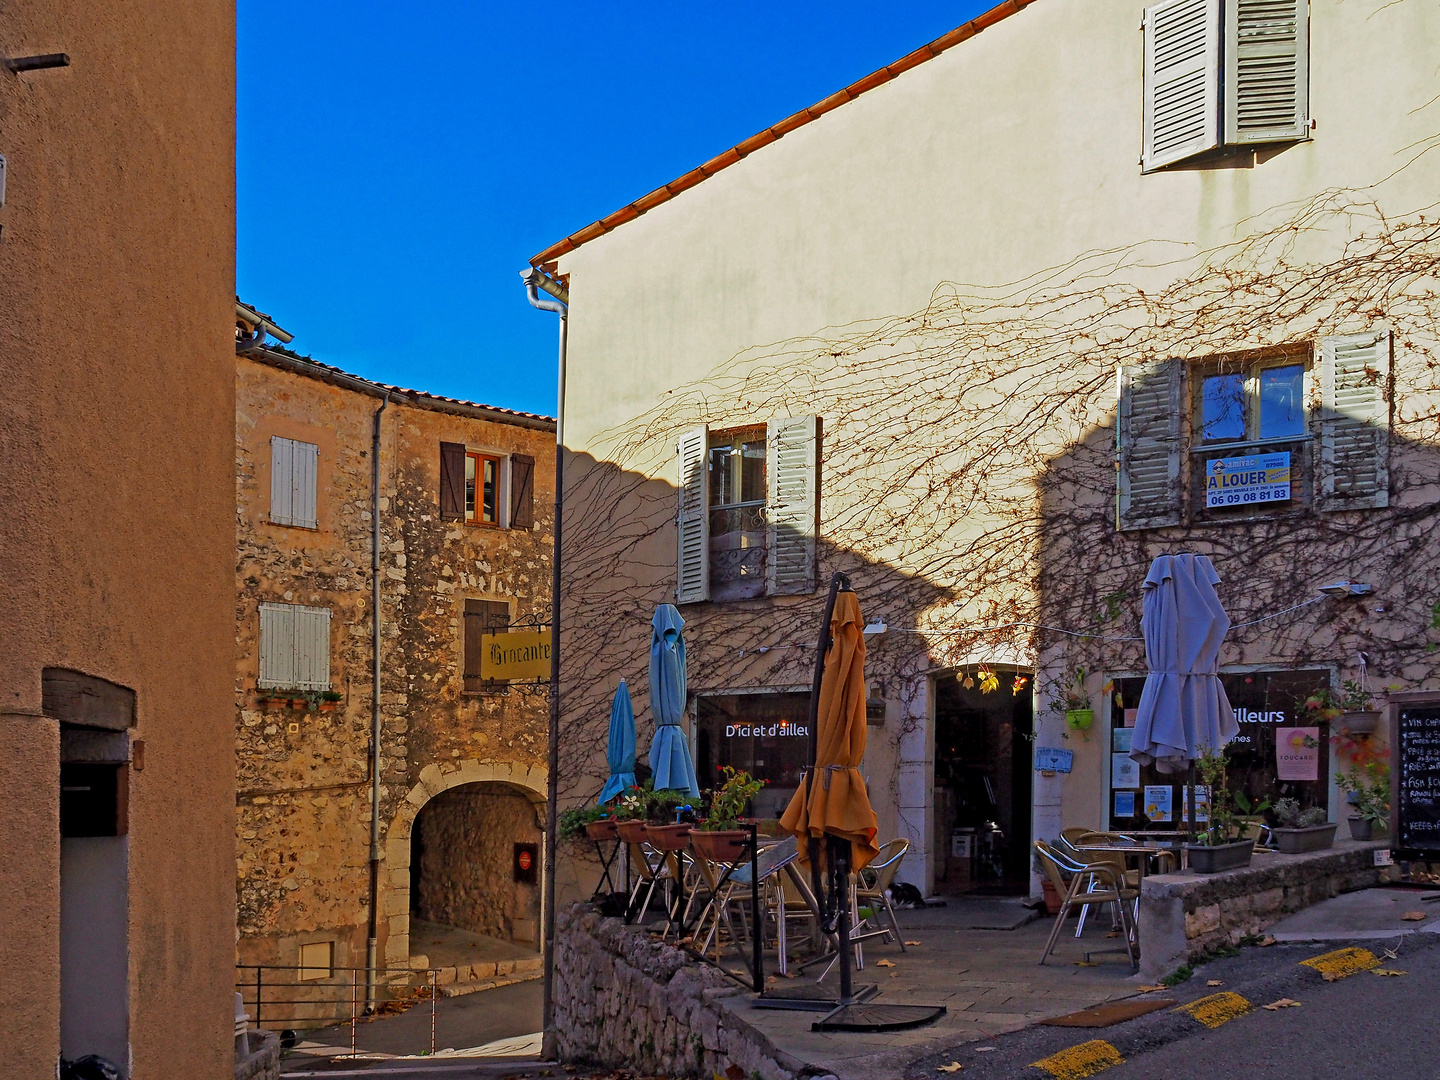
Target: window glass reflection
(1222, 407)
(1282, 401)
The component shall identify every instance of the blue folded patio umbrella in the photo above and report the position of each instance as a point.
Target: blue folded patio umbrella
(670, 752)
(620, 750)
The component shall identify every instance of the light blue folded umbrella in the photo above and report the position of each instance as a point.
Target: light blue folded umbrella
(1183, 708)
(670, 752)
(620, 751)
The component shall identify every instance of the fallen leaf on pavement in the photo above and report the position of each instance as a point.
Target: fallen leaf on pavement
(986, 1049)
(1283, 1003)
(1213, 982)
(894, 974)
(1387, 971)
(1152, 989)
(1268, 939)
(1087, 963)
(1414, 916)
(884, 963)
(1329, 976)
(954, 1066)
(912, 943)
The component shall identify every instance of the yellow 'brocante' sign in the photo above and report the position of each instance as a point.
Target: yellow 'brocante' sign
(523, 654)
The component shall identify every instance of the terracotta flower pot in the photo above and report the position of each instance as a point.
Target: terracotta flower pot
(632, 831)
(604, 829)
(668, 837)
(329, 706)
(1052, 897)
(720, 845)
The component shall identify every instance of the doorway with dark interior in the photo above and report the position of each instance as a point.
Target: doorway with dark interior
(984, 723)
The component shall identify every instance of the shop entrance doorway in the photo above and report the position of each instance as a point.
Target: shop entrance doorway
(982, 781)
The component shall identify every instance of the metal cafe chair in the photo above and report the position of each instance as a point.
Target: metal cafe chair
(1082, 884)
(873, 883)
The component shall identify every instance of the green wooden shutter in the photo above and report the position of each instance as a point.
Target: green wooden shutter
(1181, 81)
(1266, 81)
(1147, 433)
(1354, 468)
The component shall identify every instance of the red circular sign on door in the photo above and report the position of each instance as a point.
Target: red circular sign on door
(524, 860)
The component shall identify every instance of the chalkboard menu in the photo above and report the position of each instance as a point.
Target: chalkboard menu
(1417, 774)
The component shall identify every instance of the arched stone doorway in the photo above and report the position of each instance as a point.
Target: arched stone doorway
(479, 788)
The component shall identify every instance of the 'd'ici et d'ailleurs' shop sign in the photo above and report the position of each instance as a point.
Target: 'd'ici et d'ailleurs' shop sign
(517, 655)
(1246, 481)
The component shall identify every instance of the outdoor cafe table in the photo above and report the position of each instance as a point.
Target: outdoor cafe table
(1145, 852)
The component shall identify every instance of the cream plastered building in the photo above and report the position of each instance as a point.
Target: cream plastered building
(895, 335)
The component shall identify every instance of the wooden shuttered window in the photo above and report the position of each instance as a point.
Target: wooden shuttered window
(452, 481)
(1266, 81)
(1354, 466)
(1147, 434)
(792, 449)
(1181, 80)
(481, 617)
(294, 467)
(522, 491)
(693, 521)
(294, 647)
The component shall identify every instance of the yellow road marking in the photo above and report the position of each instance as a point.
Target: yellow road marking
(1087, 1059)
(1342, 962)
(1216, 1009)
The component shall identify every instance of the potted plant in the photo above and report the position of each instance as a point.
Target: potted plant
(1079, 715)
(629, 813)
(575, 823)
(262, 700)
(330, 700)
(1300, 830)
(718, 838)
(662, 811)
(1370, 784)
(1350, 709)
(1220, 846)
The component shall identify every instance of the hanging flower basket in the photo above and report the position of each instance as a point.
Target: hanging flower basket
(668, 837)
(1360, 723)
(604, 829)
(1079, 719)
(632, 832)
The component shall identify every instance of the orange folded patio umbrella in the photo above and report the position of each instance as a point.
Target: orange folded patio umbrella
(833, 799)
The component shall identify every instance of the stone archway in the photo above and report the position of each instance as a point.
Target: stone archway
(395, 883)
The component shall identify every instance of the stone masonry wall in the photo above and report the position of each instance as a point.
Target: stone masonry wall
(625, 999)
(303, 799)
(465, 872)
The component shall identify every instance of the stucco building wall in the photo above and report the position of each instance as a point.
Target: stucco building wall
(303, 807)
(117, 272)
(1005, 167)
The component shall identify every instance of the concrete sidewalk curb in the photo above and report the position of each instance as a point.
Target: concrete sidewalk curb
(461, 989)
(1134, 1038)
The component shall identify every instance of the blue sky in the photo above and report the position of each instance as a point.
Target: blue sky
(398, 164)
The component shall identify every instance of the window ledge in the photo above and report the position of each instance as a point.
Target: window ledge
(1251, 444)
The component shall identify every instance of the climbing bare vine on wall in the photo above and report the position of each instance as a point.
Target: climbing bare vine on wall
(968, 472)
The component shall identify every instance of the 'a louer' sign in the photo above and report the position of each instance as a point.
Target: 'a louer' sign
(519, 654)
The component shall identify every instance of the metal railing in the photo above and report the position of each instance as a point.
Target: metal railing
(279, 997)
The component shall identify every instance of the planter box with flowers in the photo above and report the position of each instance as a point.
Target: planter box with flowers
(1221, 846)
(1368, 783)
(718, 837)
(1299, 830)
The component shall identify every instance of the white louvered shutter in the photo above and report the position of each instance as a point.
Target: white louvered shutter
(693, 521)
(293, 469)
(1266, 82)
(294, 647)
(1147, 432)
(791, 503)
(1182, 80)
(1354, 467)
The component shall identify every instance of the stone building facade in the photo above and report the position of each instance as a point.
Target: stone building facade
(306, 436)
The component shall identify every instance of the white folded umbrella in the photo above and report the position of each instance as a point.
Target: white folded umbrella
(1183, 708)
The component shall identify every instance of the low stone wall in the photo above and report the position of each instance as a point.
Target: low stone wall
(1185, 916)
(623, 999)
(257, 1055)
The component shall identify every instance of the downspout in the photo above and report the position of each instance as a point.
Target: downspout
(534, 280)
(372, 938)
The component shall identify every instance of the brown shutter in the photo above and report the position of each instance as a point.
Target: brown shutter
(481, 617)
(452, 481)
(522, 491)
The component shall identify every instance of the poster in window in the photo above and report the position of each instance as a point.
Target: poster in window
(1122, 739)
(1157, 801)
(1124, 773)
(1202, 804)
(1124, 804)
(1297, 753)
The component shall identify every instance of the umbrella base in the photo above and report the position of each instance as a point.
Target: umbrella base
(810, 997)
(874, 1016)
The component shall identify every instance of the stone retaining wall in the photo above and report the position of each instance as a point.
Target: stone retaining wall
(1185, 916)
(626, 1000)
